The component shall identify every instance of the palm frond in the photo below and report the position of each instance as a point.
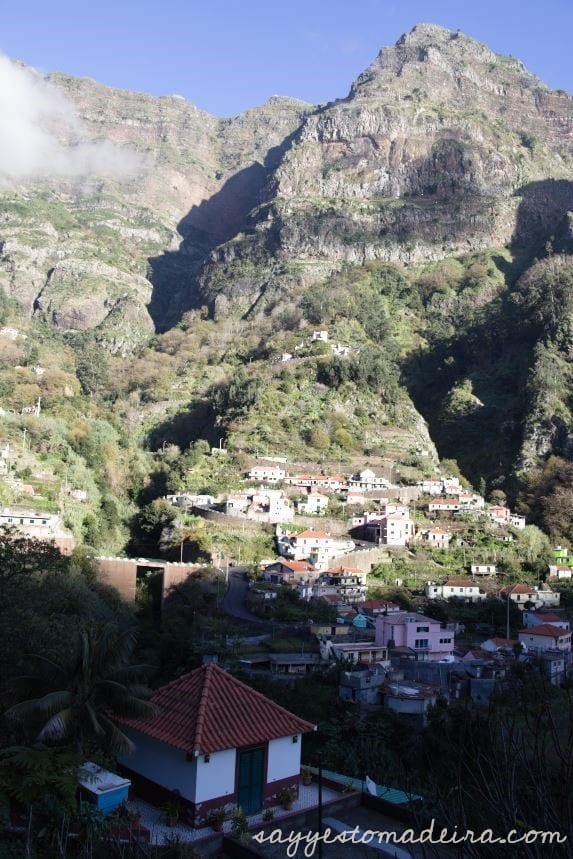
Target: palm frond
(57, 728)
(119, 743)
(48, 705)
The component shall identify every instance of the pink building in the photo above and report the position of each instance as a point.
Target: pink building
(424, 637)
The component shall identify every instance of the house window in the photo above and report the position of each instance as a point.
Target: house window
(421, 643)
(445, 640)
(422, 629)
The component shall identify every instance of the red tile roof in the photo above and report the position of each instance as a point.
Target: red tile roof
(312, 534)
(545, 629)
(549, 616)
(373, 605)
(209, 710)
(296, 566)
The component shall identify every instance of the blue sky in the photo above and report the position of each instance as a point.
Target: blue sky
(228, 55)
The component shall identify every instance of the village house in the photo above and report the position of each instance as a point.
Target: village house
(559, 572)
(538, 618)
(422, 636)
(362, 687)
(313, 504)
(262, 505)
(555, 665)
(378, 606)
(545, 637)
(214, 742)
(317, 547)
(499, 645)
(470, 500)
(387, 508)
(409, 698)
(368, 480)
(440, 485)
(391, 530)
(523, 596)
(461, 589)
(355, 497)
(267, 473)
(319, 337)
(358, 652)
(340, 350)
(444, 505)
(350, 586)
(324, 482)
(483, 570)
(282, 571)
(38, 525)
(437, 538)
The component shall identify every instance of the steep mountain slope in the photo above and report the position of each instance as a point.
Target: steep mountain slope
(97, 253)
(441, 147)
(424, 221)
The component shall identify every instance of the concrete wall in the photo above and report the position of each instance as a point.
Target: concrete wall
(217, 777)
(121, 573)
(283, 759)
(161, 764)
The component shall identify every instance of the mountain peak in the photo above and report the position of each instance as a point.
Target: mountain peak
(433, 55)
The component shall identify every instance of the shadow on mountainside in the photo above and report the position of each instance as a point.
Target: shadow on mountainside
(213, 222)
(488, 350)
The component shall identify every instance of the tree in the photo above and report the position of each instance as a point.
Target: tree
(83, 693)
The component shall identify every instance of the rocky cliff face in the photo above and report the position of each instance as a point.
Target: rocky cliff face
(441, 147)
(82, 253)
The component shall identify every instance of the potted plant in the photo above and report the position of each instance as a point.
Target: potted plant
(240, 824)
(216, 819)
(306, 775)
(171, 809)
(268, 814)
(287, 797)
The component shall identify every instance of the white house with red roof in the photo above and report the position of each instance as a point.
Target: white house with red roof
(283, 570)
(546, 637)
(316, 547)
(267, 473)
(537, 618)
(437, 538)
(214, 742)
(537, 597)
(462, 589)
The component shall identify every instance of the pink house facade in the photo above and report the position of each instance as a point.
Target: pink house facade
(424, 637)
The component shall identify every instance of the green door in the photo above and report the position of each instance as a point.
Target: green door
(251, 780)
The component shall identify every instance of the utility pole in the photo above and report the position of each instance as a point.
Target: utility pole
(507, 616)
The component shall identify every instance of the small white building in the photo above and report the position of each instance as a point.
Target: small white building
(391, 530)
(546, 637)
(483, 570)
(437, 538)
(539, 618)
(313, 504)
(319, 337)
(462, 589)
(317, 547)
(368, 480)
(267, 473)
(559, 572)
(215, 742)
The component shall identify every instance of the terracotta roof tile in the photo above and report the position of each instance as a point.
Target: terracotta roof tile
(545, 629)
(209, 710)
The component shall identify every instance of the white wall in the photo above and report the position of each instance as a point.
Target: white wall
(283, 759)
(161, 764)
(216, 778)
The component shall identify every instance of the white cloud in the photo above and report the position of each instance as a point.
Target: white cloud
(40, 136)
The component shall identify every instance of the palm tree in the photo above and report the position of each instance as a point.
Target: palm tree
(85, 692)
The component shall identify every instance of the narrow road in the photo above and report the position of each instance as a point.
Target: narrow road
(234, 599)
